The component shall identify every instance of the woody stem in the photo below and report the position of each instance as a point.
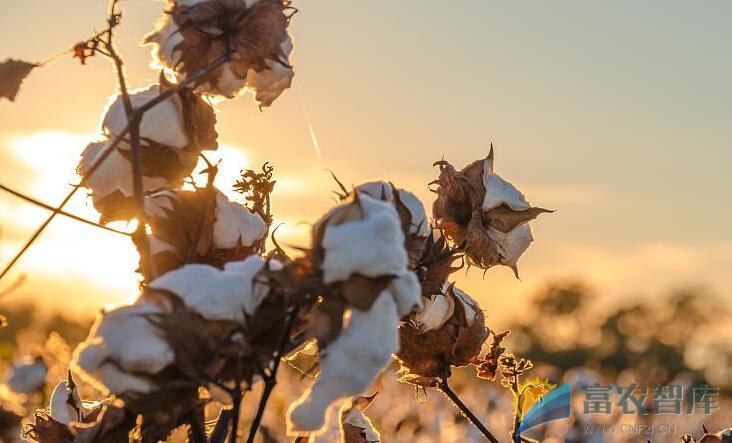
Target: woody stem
(455, 399)
(270, 380)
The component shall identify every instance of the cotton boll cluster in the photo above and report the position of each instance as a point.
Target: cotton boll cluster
(478, 209)
(193, 34)
(358, 247)
(172, 134)
(201, 226)
(449, 331)
(26, 375)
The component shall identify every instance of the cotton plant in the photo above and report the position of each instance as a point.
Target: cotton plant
(216, 311)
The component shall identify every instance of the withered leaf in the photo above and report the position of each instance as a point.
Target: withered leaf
(111, 426)
(306, 360)
(505, 219)
(12, 74)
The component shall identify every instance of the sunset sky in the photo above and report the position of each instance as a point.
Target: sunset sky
(616, 114)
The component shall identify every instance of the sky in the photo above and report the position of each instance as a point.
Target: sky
(616, 114)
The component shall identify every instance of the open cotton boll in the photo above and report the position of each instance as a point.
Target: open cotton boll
(255, 31)
(235, 225)
(349, 364)
(218, 294)
(162, 123)
(122, 346)
(371, 247)
(26, 375)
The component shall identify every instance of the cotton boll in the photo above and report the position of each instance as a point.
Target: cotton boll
(162, 123)
(217, 294)
(349, 364)
(123, 342)
(26, 375)
(235, 225)
(371, 247)
(254, 31)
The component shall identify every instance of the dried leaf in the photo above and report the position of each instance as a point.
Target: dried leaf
(12, 74)
(505, 219)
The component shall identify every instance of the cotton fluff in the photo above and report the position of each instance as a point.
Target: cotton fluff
(114, 174)
(162, 123)
(123, 347)
(26, 375)
(406, 291)
(349, 364)
(370, 247)
(235, 225)
(437, 310)
(500, 192)
(216, 294)
(513, 244)
(381, 190)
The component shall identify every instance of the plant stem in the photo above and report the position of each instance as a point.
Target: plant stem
(271, 380)
(48, 207)
(218, 435)
(447, 390)
(235, 416)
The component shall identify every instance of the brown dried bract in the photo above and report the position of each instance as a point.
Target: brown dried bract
(428, 355)
(436, 264)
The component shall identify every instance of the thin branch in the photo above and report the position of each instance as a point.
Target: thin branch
(447, 390)
(133, 120)
(48, 207)
(271, 380)
(113, 145)
(218, 435)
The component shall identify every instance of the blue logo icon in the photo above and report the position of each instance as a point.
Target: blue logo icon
(555, 405)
